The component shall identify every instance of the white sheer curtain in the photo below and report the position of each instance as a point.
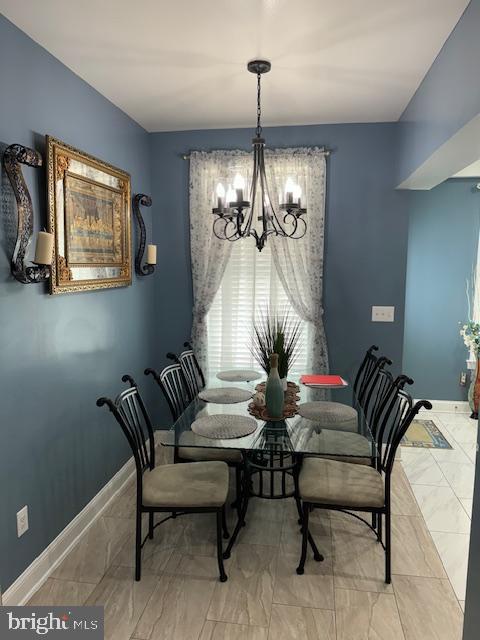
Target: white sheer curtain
(299, 263)
(295, 267)
(209, 255)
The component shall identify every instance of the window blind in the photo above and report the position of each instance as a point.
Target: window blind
(250, 283)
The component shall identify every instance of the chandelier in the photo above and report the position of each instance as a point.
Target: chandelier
(236, 215)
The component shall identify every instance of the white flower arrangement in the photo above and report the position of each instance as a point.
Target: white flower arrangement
(470, 333)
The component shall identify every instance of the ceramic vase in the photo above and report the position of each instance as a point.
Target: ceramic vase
(274, 395)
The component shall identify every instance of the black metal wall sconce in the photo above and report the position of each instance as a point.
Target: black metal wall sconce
(148, 268)
(14, 156)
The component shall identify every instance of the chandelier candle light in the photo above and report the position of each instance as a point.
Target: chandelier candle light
(235, 215)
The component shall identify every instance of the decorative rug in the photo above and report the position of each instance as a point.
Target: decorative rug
(425, 434)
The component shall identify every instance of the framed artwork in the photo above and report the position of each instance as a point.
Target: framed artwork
(89, 215)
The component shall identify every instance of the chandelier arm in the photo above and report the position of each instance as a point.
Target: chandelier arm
(293, 236)
(216, 224)
(220, 229)
(263, 186)
(275, 221)
(234, 235)
(253, 192)
(289, 214)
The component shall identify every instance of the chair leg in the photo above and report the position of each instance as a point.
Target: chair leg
(237, 503)
(298, 502)
(299, 509)
(138, 545)
(306, 510)
(243, 512)
(388, 546)
(223, 575)
(226, 535)
(150, 525)
(380, 527)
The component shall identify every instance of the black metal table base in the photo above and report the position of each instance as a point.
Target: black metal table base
(257, 464)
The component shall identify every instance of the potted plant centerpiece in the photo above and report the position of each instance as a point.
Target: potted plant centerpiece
(276, 333)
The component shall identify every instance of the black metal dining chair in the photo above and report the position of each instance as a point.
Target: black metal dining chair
(177, 489)
(342, 486)
(172, 382)
(192, 371)
(360, 443)
(345, 417)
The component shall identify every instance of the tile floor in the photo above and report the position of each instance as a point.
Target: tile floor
(343, 598)
(442, 481)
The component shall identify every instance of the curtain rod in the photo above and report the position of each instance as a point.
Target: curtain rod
(327, 152)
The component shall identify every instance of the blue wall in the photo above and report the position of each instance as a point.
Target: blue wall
(59, 353)
(442, 246)
(366, 238)
(448, 97)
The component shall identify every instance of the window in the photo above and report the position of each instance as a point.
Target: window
(249, 284)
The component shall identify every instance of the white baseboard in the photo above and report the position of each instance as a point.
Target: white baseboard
(450, 406)
(37, 573)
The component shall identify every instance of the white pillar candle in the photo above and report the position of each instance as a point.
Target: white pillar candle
(152, 254)
(239, 186)
(44, 248)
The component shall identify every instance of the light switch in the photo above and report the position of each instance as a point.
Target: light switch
(383, 314)
(22, 521)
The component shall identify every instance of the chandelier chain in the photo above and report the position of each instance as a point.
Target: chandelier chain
(259, 106)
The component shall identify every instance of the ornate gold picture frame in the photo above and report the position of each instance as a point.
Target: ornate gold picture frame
(89, 214)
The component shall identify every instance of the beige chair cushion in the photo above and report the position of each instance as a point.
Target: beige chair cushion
(199, 454)
(330, 414)
(340, 483)
(195, 484)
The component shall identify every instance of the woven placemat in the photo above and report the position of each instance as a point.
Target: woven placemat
(225, 395)
(239, 375)
(224, 426)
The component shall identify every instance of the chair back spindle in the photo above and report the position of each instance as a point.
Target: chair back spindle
(191, 370)
(171, 381)
(384, 387)
(365, 373)
(130, 412)
(375, 385)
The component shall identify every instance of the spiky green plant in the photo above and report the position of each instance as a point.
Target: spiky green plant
(276, 333)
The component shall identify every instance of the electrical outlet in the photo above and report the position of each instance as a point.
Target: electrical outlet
(383, 314)
(463, 379)
(22, 521)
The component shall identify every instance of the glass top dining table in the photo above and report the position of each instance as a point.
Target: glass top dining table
(293, 435)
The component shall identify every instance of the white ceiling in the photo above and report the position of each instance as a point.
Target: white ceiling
(180, 64)
(472, 171)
